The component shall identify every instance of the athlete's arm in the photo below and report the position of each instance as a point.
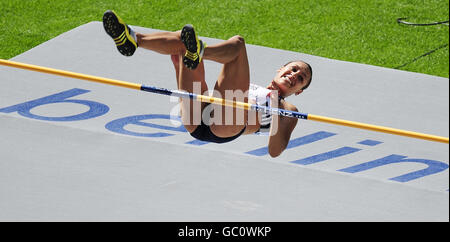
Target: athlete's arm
(280, 134)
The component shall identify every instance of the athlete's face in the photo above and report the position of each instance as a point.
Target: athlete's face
(291, 79)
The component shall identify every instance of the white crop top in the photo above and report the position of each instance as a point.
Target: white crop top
(261, 96)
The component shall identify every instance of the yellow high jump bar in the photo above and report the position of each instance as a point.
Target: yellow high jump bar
(224, 102)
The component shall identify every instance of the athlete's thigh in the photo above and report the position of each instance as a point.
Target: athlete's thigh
(233, 83)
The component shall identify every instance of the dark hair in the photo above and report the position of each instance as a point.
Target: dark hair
(309, 68)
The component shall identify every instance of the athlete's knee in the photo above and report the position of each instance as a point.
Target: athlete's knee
(238, 41)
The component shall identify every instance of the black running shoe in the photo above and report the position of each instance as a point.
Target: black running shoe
(194, 47)
(120, 33)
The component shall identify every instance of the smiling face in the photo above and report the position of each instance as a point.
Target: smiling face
(291, 79)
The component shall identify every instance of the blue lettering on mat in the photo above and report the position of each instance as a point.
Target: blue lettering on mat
(326, 156)
(95, 109)
(118, 125)
(295, 142)
(197, 142)
(433, 167)
(334, 153)
(370, 142)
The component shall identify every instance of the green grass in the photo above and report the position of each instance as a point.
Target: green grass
(363, 31)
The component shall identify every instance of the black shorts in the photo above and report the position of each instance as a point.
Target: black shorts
(203, 133)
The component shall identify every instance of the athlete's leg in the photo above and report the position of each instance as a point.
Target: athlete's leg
(226, 51)
(168, 43)
(192, 81)
(233, 79)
